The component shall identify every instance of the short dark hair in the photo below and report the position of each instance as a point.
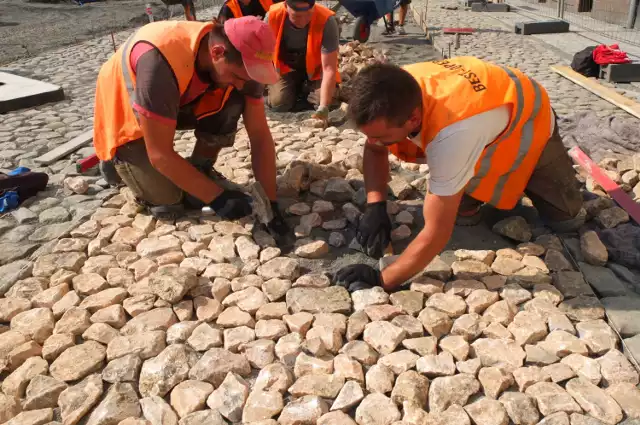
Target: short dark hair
(219, 36)
(383, 90)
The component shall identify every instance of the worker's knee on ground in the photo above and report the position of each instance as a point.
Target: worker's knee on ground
(281, 100)
(151, 189)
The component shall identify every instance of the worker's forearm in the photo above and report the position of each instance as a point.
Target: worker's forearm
(263, 161)
(376, 173)
(187, 177)
(429, 243)
(327, 88)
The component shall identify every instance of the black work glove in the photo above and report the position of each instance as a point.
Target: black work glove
(358, 276)
(374, 229)
(232, 205)
(277, 227)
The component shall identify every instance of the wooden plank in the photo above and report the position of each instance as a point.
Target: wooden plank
(65, 149)
(593, 86)
(616, 192)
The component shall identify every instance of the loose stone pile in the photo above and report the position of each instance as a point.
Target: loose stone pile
(353, 57)
(135, 321)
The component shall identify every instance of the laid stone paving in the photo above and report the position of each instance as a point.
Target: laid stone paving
(129, 320)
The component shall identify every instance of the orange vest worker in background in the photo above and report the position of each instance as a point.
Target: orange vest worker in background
(488, 135)
(306, 55)
(187, 75)
(238, 8)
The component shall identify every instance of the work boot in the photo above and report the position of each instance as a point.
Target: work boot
(401, 30)
(568, 226)
(470, 217)
(109, 173)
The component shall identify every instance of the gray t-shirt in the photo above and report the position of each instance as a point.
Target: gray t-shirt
(293, 50)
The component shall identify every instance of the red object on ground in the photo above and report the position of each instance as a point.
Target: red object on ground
(616, 192)
(458, 30)
(604, 55)
(89, 162)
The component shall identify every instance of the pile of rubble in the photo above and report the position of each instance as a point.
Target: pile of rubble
(136, 321)
(353, 57)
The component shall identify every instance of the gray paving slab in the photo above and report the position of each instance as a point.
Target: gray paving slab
(17, 92)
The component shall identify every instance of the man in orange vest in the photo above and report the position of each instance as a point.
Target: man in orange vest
(306, 55)
(238, 8)
(179, 75)
(488, 135)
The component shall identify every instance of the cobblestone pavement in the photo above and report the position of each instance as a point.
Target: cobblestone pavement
(129, 320)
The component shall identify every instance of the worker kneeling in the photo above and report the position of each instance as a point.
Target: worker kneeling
(204, 76)
(306, 55)
(488, 135)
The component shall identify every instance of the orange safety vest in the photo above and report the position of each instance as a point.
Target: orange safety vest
(277, 17)
(459, 88)
(115, 121)
(234, 6)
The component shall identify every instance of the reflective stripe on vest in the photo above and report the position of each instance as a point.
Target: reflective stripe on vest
(525, 140)
(313, 58)
(126, 74)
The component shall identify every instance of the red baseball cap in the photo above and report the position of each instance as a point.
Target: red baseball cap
(256, 43)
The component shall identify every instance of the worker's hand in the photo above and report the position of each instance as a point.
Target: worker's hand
(232, 205)
(322, 114)
(358, 276)
(277, 227)
(374, 229)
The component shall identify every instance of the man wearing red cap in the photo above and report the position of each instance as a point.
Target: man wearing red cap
(187, 75)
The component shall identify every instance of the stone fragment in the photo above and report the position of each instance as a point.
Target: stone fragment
(499, 353)
(122, 369)
(435, 322)
(611, 217)
(582, 308)
(551, 398)
(494, 381)
(628, 398)
(172, 283)
(527, 328)
(515, 228)
(584, 367)
(190, 396)
(214, 365)
(501, 312)
(145, 345)
(453, 305)
(595, 401)
(539, 356)
(163, 372)
(562, 344)
(234, 338)
(288, 347)
(487, 412)
(383, 336)
(262, 405)
(78, 361)
(450, 390)
(202, 417)
(36, 324)
(319, 384)
(334, 299)
(616, 369)
(156, 319)
(521, 408)
(515, 294)
(480, 299)
(469, 326)
(598, 336)
(593, 250)
(120, 403)
(280, 267)
(558, 372)
(204, 337)
(303, 411)
(77, 400)
(470, 270)
(349, 396)
(527, 376)
(456, 345)
(377, 409)
(274, 377)
(379, 379)
(32, 417)
(229, 398)
(361, 351)
(436, 365)
(158, 411)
